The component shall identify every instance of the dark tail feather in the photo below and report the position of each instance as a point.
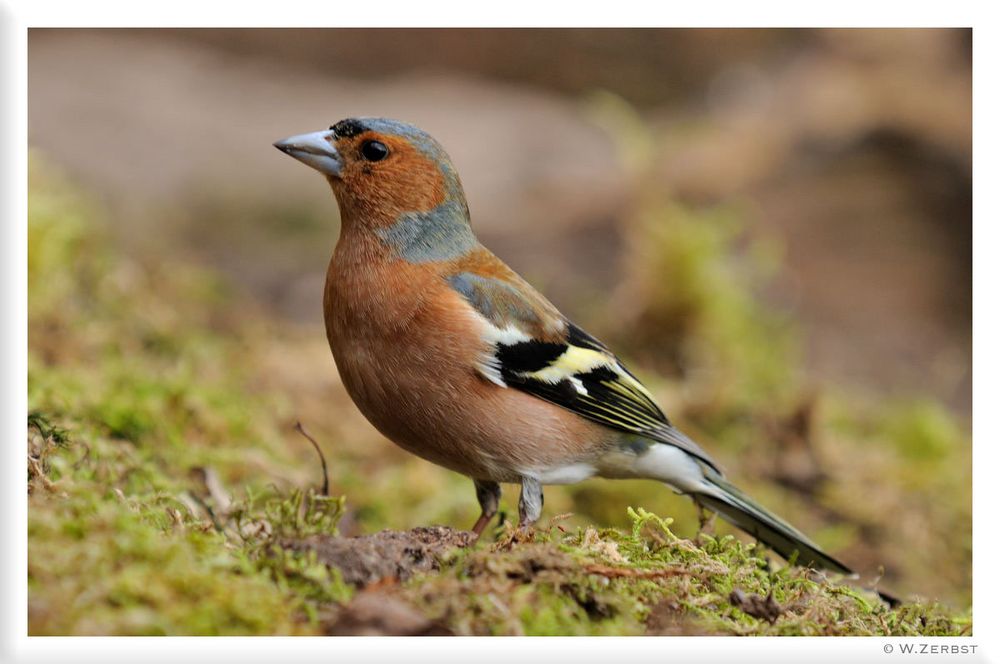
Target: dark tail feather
(889, 598)
(738, 509)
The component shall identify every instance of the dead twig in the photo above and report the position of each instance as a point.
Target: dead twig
(322, 459)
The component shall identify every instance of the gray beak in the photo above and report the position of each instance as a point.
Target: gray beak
(315, 149)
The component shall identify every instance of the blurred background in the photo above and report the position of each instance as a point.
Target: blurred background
(772, 226)
(851, 150)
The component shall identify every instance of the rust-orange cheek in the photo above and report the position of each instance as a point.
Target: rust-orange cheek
(415, 206)
(407, 182)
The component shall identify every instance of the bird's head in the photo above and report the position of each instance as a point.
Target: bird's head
(389, 177)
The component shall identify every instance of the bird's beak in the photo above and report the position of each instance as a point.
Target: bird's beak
(316, 150)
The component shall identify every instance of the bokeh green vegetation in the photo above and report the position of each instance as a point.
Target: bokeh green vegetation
(164, 467)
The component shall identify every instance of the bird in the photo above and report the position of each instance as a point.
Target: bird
(455, 358)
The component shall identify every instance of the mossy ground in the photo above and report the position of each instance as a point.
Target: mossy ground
(164, 469)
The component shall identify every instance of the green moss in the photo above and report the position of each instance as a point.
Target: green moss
(614, 582)
(101, 566)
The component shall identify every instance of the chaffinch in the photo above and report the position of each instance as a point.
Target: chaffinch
(457, 359)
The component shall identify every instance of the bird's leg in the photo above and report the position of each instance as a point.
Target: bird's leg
(529, 507)
(488, 494)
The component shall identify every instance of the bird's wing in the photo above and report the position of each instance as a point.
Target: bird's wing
(533, 348)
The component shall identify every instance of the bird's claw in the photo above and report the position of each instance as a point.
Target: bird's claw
(518, 535)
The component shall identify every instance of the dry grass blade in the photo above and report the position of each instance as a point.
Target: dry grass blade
(633, 573)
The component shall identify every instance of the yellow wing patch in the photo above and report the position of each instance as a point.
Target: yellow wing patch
(573, 361)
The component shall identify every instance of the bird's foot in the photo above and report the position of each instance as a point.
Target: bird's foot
(522, 534)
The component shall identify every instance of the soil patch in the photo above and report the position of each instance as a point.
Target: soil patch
(388, 554)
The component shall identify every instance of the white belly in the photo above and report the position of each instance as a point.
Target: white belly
(562, 474)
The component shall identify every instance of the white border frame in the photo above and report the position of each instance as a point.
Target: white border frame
(16, 646)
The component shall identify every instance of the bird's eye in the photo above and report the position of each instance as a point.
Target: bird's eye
(374, 150)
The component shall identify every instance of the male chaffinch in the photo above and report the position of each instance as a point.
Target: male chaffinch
(457, 359)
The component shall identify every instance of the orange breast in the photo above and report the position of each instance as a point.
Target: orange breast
(406, 347)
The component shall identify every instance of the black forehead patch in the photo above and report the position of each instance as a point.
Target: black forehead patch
(348, 128)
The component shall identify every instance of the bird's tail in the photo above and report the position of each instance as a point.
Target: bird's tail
(738, 509)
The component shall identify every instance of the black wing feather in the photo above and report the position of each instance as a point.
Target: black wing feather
(608, 399)
(610, 394)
